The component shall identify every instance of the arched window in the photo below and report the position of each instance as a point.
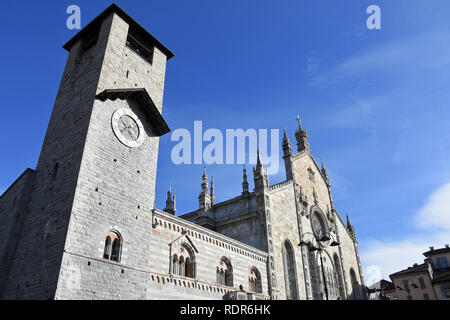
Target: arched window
(290, 277)
(222, 277)
(315, 274)
(217, 275)
(183, 261)
(226, 272)
(187, 267)
(113, 246)
(175, 264)
(254, 281)
(115, 250)
(181, 267)
(339, 280)
(355, 285)
(107, 250)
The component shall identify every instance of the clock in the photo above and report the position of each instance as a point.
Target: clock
(128, 128)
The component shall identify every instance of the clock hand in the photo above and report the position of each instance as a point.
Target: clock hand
(131, 133)
(123, 122)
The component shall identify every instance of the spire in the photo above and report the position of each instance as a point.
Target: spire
(170, 202)
(302, 137)
(350, 228)
(204, 180)
(205, 176)
(324, 173)
(245, 182)
(260, 174)
(285, 137)
(205, 198)
(287, 148)
(213, 195)
(258, 161)
(174, 203)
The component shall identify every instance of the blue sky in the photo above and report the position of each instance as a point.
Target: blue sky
(375, 102)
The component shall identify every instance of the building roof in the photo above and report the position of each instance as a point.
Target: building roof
(414, 269)
(382, 284)
(143, 98)
(96, 23)
(436, 251)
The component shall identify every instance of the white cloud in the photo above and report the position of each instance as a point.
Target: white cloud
(396, 58)
(431, 227)
(435, 215)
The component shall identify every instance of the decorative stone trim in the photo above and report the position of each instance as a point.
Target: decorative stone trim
(281, 184)
(170, 222)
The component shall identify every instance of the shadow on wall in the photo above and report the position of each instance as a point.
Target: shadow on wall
(358, 292)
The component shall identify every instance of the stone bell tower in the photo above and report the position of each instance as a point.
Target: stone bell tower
(97, 169)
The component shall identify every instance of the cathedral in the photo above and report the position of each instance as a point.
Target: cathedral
(83, 224)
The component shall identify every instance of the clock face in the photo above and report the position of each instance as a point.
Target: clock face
(128, 128)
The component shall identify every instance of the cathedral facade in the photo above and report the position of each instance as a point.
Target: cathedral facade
(83, 224)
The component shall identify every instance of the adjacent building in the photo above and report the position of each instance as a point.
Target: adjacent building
(427, 281)
(382, 290)
(438, 261)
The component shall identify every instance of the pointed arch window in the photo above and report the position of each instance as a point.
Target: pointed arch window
(254, 281)
(225, 272)
(339, 280)
(188, 267)
(175, 264)
(290, 276)
(183, 261)
(181, 267)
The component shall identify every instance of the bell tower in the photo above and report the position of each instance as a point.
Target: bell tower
(96, 173)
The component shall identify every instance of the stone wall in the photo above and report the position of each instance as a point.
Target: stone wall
(313, 186)
(116, 184)
(211, 248)
(35, 269)
(13, 210)
(92, 277)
